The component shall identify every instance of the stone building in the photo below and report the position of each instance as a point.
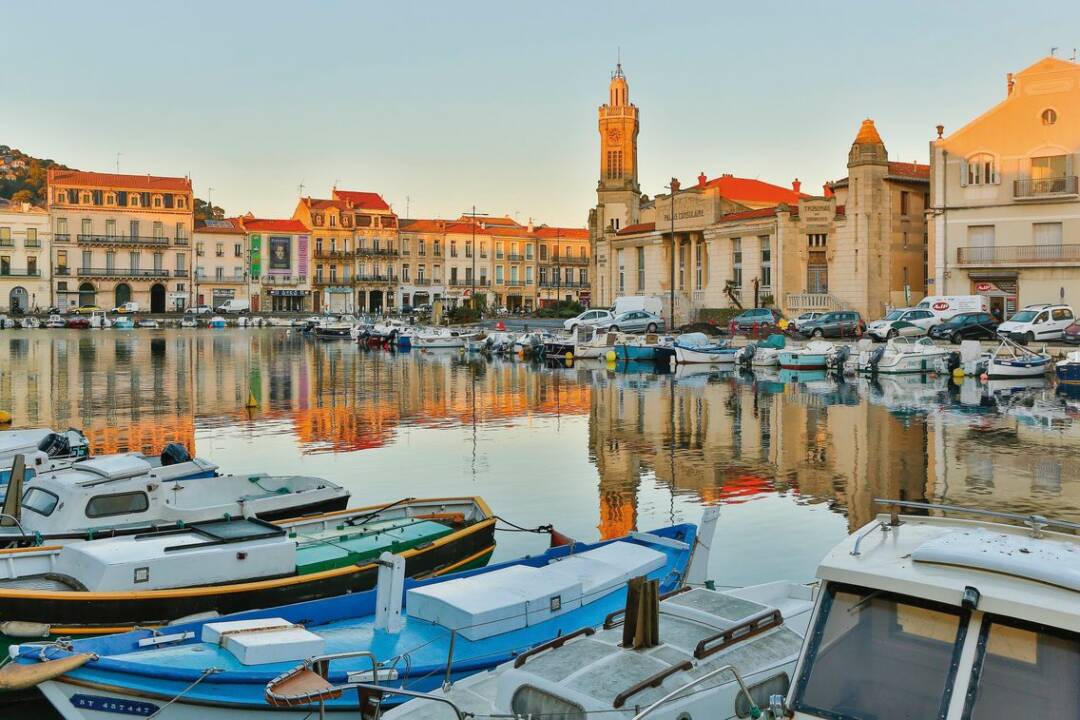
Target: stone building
(332, 253)
(25, 240)
(731, 241)
(221, 262)
(120, 238)
(1006, 205)
(279, 264)
(376, 248)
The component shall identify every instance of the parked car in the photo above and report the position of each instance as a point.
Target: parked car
(837, 324)
(128, 307)
(633, 321)
(233, 305)
(761, 317)
(589, 317)
(85, 310)
(1071, 335)
(1037, 322)
(629, 303)
(966, 326)
(201, 309)
(907, 322)
(806, 317)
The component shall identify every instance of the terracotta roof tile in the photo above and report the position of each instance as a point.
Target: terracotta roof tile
(79, 178)
(547, 231)
(362, 200)
(914, 170)
(750, 214)
(275, 225)
(637, 229)
(749, 190)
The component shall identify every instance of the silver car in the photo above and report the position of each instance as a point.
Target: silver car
(633, 321)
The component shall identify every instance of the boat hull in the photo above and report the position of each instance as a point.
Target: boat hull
(1068, 373)
(1006, 369)
(723, 356)
(803, 361)
(558, 349)
(635, 352)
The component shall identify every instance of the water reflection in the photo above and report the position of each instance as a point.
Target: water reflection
(797, 458)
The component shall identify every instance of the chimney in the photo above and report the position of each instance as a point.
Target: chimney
(530, 228)
(1009, 83)
(827, 190)
(796, 185)
(701, 179)
(674, 185)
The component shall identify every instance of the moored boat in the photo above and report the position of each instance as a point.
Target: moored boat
(451, 628)
(1012, 360)
(698, 348)
(123, 322)
(56, 321)
(29, 322)
(217, 322)
(557, 346)
(901, 355)
(592, 343)
(1068, 370)
(631, 348)
(812, 356)
(41, 448)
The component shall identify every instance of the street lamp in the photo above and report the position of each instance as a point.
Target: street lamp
(473, 214)
(674, 187)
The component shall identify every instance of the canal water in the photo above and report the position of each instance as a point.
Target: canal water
(794, 461)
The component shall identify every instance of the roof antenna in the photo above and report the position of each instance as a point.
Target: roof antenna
(1053, 50)
(118, 162)
(301, 188)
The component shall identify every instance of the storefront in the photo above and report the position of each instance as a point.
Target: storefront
(1002, 290)
(220, 296)
(288, 300)
(337, 300)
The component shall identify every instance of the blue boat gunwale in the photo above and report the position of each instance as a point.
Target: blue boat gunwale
(328, 610)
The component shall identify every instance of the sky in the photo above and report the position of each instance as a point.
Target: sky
(441, 106)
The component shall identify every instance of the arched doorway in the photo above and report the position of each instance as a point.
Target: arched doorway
(375, 300)
(18, 300)
(87, 294)
(123, 294)
(157, 298)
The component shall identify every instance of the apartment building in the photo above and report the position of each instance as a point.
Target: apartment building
(221, 262)
(279, 261)
(25, 240)
(376, 250)
(120, 238)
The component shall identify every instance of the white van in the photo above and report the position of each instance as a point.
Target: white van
(945, 306)
(233, 306)
(1038, 322)
(629, 303)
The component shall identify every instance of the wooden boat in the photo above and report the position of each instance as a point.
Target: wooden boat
(592, 343)
(232, 565)
(697, 348)
(452, 628)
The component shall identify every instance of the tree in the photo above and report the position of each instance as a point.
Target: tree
(203, 211)
(21, 196)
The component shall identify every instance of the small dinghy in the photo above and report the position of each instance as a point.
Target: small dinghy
(217, 322)
(450, 628)
(1012, 360)
(812, 356)
(233, 564)
(698, 348)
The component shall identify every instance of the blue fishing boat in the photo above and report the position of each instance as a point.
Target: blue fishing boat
(450, 628)
(217, 322)
(123, 323)
(638, 347)
(698, 348)
(1068, 370)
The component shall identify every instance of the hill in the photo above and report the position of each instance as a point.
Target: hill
(22, 177)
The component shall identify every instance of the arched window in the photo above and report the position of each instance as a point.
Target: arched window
(981, 170)
(1049, 116)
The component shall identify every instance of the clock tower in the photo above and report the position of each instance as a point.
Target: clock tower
(618, 137)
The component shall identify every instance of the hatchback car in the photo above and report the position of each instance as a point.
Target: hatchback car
(1071, 336)
(1037, 322)
(966, 326)
(589, 317)
(85, 310)
(806, 317)
(837, 324)
(760, 317)
(907, 322)
(633, 321)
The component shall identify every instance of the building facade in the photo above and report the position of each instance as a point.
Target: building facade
(1006, 205)
(120, 238)
(25, 241)
(279, 259)
(221, 262)
(741, 242)
(332, 255)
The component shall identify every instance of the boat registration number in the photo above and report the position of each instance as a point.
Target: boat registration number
(119, 706)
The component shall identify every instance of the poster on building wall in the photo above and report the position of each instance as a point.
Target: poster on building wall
(280, 252)
(256, 256)
(302, 255)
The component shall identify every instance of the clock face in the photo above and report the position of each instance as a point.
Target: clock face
(613, 135)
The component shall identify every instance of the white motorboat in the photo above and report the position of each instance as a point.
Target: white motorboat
(56, 321)
(130, 493)
(929, 616)
(699, 348)
(688, 673)
(41, 449)
(99, 320)
(29, 322)
(765, 353)
(1012, 360)
(437, 339)
(901, 355)
(189, 321)
(591, 343)
(812, 356)
(147, 323)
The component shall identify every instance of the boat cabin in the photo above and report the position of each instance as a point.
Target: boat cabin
(934, 617)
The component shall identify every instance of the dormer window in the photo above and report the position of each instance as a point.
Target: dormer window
(981, 170)
(157, 201)
(61, 196)
(85, 198)
(181, 202)
(333, 221)
(318, 219)
(133, 199)
(1049, 116)
(110, 199)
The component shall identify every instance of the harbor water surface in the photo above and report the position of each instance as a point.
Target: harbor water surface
(597, 450)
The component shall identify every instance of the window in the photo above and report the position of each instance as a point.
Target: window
(181, 263)
(980, 241)
(1047, 239)
(529, 251)
(817, 240)
(905, 202)
(842, 677)
(1062, 314)
(181, 232)
(405, 272)
(543, 252)
(528, 275)
(40, 501)
(766, 261)
(133, 226)
(159, 230)
(1024, 670)
(1048, 168)
(333, 221)
(5, 236)
(181, 201)
(31, 237)
(61, 226)
(736, 261)
(483, 249)
(499, 250)
(219, 273)
(583, 276)
(61, 259)
(420, 249)
(682, 265)
(622, 273)
(5, 264)
(61, 197)
(614, 164)
(641, 269)
(219, 249)
(1049, 116)
(87, 226)
(157, 201)
(699, 250)
(117, 504)
(133, 200)
(498, 274)
(980, 170)
(238, 250)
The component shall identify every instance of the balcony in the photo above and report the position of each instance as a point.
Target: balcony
(567, 260)
(122, 240)
(12, 272)
(180, 273)
(122, 272)
(8, 243)
(332, 254)
(549, 283)
(377, 252)
(462, 282)
(32, 244)
(1031, 189)
(61, 237)
(515, 283)
(422, 282)
(374, 278)
(332, 280)
(181, 242)
(514, 257)
(1018, 255)
(62, 271)
(283, 279)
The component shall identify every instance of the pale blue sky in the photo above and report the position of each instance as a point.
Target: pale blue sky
(494, 103)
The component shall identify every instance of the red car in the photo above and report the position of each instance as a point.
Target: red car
(1071, 336)
(79, 323)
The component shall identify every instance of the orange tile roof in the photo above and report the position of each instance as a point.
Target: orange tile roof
(266, 224)
(912, 169)
(79, 178)
(749, 190)
(317, 204)
(546, 231)
(233, 228)
(362, 200)
(750, 214)
(636, 229)
(504, 220)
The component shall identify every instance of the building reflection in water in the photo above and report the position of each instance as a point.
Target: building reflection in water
(694, 437)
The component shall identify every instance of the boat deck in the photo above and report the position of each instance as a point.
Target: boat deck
(363, 543)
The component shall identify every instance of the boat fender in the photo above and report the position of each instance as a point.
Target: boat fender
(16, 676)
(24, 630)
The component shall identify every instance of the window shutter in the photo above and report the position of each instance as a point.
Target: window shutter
(996, 180)
(963, 173)
(1069, 165)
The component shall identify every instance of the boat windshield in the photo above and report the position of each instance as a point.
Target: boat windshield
(1023, 316)
(876, 654)
(1024, 670)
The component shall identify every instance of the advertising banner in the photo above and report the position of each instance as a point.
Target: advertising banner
(280, 253)
(256, 256)
(302, 255)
